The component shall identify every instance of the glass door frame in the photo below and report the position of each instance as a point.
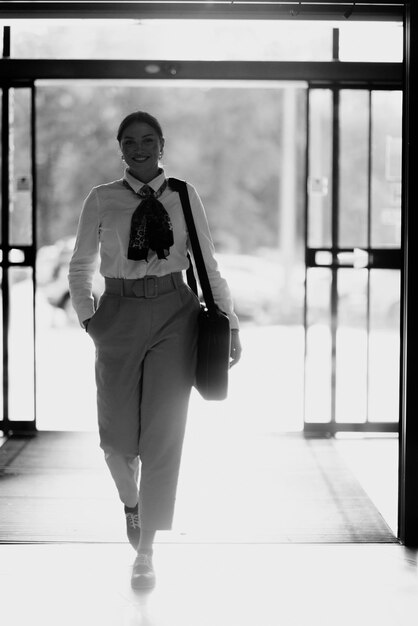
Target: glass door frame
(24, 73)
(12, 256)
(377, 258)
(380, 257)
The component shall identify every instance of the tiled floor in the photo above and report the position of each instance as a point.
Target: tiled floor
(223, 584)
(263, 489)
(210, 585)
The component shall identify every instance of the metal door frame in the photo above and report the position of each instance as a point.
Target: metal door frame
(406, 76)
(381, 258)
(8, 425)
(25, 72)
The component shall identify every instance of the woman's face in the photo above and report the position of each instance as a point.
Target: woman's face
(141, 149)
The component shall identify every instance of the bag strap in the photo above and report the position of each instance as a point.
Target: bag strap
(181, 187)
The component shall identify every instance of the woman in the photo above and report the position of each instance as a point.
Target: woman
(144, 329)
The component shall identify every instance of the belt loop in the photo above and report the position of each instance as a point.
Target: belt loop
(122, 285)
(173, 280)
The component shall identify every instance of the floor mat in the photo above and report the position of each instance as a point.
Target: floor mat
(55, 487)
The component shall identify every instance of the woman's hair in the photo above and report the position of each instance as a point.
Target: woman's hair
(143, 117)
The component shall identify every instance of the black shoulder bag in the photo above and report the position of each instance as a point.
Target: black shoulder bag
(214, 341)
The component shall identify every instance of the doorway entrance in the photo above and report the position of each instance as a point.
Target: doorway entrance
(255, 211)
(329, 419)
(350, 242)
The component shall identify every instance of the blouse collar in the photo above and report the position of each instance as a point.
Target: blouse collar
(136, 184)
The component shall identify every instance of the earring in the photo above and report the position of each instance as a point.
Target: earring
(122, 157)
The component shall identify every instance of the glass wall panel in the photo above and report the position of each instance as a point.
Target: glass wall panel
(318, 346)
(21, 342)
(264, 40)
(353, 164)
(20, 231)
(320, 168)
(351, 346)
(386, 168)
(371, 42)
(384, 345)
(258, 40)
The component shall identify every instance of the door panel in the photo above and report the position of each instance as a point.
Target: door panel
(353, 168)
(353, 260)
(21, 210)
(386, 156)
(21, 342)
(318, 346)
(320, 169)
(384, 345)
(18, 258)
(351, 347)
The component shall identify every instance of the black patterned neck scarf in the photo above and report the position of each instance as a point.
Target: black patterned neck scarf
(151, 227)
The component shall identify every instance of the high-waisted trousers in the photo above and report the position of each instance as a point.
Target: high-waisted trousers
(145, 334)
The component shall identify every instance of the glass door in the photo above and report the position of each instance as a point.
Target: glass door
(17, 256)
(353, 260)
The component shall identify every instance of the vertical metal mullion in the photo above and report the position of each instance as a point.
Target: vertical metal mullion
(306, 242)
(369, 245)
(335, 222)
(34, 233)
(408, 440)
(5, 195)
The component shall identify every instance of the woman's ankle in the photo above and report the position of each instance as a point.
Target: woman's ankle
(146, 541)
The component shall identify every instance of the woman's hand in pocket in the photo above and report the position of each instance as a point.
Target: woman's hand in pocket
(85, 324)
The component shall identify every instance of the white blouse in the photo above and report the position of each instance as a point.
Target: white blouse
(104, 229)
